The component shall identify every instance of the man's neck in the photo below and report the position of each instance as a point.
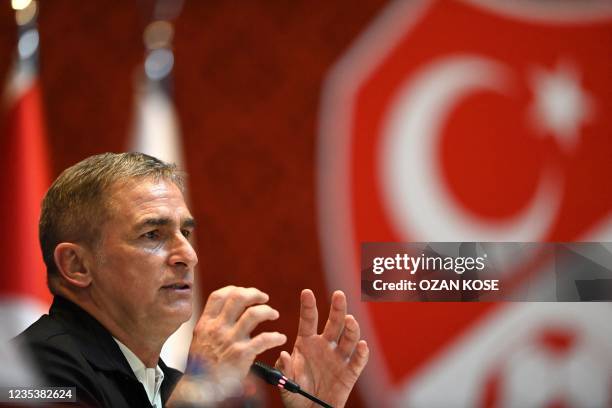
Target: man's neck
(148, 354)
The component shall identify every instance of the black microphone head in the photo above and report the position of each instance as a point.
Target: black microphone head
(268, 374)
(273, 376)
(277, 378)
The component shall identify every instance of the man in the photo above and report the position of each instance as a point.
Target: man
(115, 234)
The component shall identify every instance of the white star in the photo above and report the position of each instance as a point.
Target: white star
(560, 105)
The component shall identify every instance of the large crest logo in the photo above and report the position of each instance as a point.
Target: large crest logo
(463, 121)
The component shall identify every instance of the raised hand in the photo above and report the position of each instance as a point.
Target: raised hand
(223, 346)
(222, 336)
(326, 365)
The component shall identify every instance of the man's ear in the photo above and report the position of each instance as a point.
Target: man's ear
(71, 264)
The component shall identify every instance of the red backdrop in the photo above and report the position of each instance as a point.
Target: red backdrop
(247, 91)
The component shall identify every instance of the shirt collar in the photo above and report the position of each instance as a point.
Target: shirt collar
(150, 378)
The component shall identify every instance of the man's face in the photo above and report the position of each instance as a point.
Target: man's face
(143, 266)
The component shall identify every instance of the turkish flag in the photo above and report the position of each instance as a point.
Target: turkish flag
(25, 178)
(455, 121)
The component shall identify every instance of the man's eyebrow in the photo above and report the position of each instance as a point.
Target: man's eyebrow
(164, 221)
(189, 223)
(153, 222)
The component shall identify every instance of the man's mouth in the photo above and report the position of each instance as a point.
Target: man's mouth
(178, 286)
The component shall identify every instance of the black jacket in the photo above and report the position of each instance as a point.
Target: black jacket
(72, 349)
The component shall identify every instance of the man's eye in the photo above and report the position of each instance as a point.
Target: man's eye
(186, 233)
(151, 234)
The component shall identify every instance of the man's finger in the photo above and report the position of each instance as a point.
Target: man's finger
(335, 321)
(359, 358)
(265, 341)
(309, 316)
(216, 300)
(284, 363)
(253, 316)
(238, 300)
(349, 338)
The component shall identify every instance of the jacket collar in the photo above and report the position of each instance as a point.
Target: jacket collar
(94, 340)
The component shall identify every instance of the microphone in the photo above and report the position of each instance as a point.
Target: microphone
(277, 378)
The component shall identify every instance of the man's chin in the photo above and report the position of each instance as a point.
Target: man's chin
(179, 312)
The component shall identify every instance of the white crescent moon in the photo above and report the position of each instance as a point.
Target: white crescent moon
(413, 189)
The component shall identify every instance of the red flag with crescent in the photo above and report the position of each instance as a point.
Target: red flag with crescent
(457, 121)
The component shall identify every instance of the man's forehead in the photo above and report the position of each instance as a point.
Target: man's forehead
(142, 186)
(135, 197)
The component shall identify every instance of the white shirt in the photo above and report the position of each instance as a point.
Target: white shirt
(150, 378)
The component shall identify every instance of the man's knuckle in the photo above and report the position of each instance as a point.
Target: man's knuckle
(217, 332)
(199, 327)
(268, 338)
(238, 295)
(215, 296)
(260, 311)
(256, 310)
(239, 350)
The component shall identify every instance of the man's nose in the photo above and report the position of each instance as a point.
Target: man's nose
(183, 252)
